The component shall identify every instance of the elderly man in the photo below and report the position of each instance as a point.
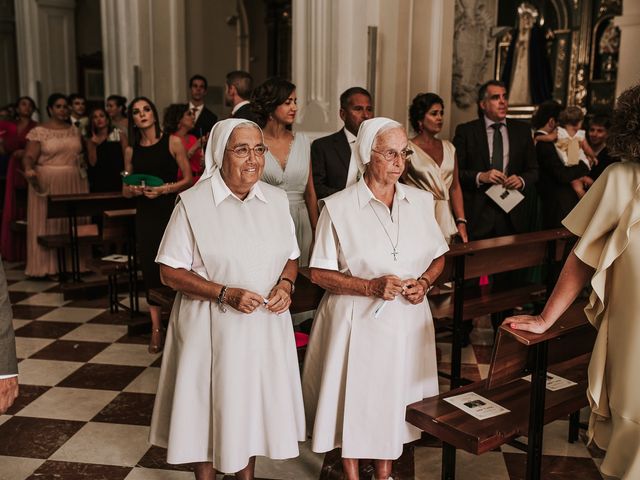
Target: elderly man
(331, 155)
(8, 362)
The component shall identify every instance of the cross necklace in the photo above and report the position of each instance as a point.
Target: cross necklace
(395, 252)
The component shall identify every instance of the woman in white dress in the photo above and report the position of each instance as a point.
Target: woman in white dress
(229, 386)
(372, 348)
(434, 167)
(288, 161)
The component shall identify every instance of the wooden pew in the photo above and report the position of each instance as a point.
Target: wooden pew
(467, 261)
(72, 206)
(565, 350)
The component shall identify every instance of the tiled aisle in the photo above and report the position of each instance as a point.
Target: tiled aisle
(87, 390)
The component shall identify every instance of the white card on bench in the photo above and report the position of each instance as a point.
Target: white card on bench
(506, 199)
(554, 382)
(476, 405)
(115, 258)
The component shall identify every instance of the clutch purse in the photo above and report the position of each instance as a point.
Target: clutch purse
(142, 180)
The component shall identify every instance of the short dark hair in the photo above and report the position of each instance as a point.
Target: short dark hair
(199, 77)
(268, 96)
(624, 135)
(172, 116)
(75, 96)
(546, 110)
(120, 102)
(243, 81)
(134, 134)
(53, 98)
(349, 92)
(482, 92)
(420, 106)
(602, 120)
(98, 108)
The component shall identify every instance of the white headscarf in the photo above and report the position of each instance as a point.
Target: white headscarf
(366, 136)
(217, 143)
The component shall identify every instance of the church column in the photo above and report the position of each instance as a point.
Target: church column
(628, 65)
(45, 34)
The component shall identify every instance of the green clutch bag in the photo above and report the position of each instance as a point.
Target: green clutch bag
(138, 179)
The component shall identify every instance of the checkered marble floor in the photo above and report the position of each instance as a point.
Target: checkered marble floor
(87, 391)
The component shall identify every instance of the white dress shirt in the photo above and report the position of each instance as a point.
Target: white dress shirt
(196, 109)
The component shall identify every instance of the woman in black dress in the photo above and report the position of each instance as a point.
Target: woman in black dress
(153, 153)
(105, 152)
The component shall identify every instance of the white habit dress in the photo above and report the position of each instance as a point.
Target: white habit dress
(229, 385)
(361, 372)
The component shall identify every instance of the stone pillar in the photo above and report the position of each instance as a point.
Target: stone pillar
(45, 33)
(144, 49)
(8, 73)
(628, 65)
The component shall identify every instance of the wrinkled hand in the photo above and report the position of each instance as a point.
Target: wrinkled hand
(414, 291)
(153, 192)
(279, 299)
(513, 182)
(462, 231)
(492, 176)
(528, 323)
(8, 393)
(242, 300)
(385, 287)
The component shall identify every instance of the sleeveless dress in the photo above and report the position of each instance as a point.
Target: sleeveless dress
(152, 216)
(361, 371)
(293, 180)
(104, 176)
(58, 172)
(607, 220)
(423, 172)
(196, 161)
(229, 385)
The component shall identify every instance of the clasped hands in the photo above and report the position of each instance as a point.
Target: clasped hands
(149, 192)
(499, 178)
(246, 301)
(388, 287)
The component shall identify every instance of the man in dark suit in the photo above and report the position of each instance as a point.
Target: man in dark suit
(8, 362)
(205, 118)
(237, 93)
(597, 136)
(494, 150)
(557, 197)
(331, 155)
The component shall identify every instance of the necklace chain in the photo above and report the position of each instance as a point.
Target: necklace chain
(395, 252)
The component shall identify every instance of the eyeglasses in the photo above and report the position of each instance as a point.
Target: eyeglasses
(243, 151)
(391, 155)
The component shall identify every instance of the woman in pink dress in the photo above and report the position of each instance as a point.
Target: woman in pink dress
(12, 246)
(51, 166)
(178, 120)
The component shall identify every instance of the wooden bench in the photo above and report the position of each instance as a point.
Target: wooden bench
(467, 261)
(72, 206)
(564, 350)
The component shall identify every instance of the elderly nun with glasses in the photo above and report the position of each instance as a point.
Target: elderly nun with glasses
(372, 348)
(229, 386)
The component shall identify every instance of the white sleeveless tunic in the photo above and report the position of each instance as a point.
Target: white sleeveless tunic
(229, 386)
(361, 372)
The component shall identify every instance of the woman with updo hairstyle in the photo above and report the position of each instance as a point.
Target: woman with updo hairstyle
(52, 167)
(116, 107)
(434, 166)
(607, 256)
(178, 120)
(288, 161)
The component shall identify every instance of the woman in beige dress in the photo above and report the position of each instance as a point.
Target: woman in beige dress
(52, 167)
(433, 166)
(372, 348)
(607, 220)
(230, 386)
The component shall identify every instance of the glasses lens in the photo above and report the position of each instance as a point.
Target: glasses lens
(260, 150)
(406, 153)
(390, 155)
(241, 151)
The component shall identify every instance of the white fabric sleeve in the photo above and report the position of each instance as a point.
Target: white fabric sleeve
(178, 244)
(325, 251)
(295, 249)
(4, 377)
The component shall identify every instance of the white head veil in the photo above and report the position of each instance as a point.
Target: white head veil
(218, 139)
(366, 136)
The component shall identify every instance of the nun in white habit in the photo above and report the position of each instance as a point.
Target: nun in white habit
(372, 352)
(229, 386)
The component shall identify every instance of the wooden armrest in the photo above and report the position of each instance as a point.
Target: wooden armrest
(127, 212)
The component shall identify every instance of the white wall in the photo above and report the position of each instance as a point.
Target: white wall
(628, 64)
